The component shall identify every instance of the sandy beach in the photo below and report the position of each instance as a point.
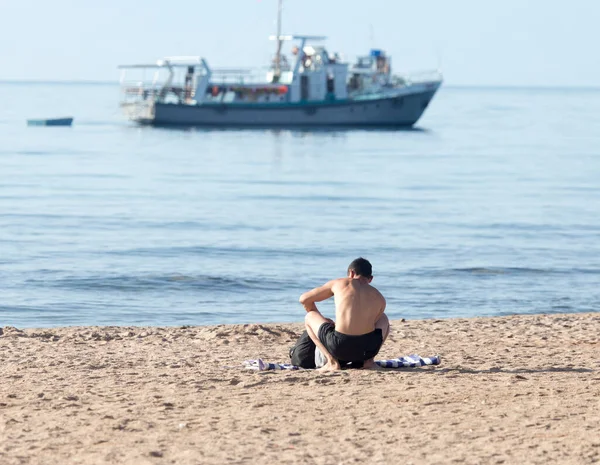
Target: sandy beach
(516, 389)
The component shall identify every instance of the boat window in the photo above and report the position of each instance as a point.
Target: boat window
(355, 82)
(364, 62)
(303, 87)
(330, 84)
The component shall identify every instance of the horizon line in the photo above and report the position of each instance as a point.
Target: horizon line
(450, 86)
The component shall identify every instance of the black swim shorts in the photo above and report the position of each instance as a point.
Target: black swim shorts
(350, 349)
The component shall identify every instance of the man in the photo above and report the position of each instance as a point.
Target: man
(360, 323)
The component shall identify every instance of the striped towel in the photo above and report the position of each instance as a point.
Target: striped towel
(410, 361)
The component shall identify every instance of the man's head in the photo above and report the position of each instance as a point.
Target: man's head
(360, 268)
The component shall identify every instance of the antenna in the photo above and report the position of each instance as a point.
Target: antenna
(371, 35)
(279, 41)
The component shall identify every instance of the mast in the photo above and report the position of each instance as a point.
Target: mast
(279, 41)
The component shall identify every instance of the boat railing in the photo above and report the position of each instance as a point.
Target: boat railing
(251, 76)
(221, 80)
(137, 89)
(145, 92)
(218, 77)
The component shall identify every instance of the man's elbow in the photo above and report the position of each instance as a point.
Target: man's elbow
(303, 299)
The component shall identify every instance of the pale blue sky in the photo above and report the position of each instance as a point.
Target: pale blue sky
(476, 42)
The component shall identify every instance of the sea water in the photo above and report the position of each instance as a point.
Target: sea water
(490, 206)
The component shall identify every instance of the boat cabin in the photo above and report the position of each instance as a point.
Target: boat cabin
(315, 76)
(373, 70)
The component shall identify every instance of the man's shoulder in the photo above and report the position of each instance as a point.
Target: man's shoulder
(377, 292)
(339, 282)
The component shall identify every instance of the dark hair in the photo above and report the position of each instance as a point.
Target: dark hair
(361, 267)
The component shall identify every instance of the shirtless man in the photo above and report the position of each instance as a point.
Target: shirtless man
(360, 324)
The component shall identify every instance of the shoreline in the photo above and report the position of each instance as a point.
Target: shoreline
(511, 389)
(284, 323)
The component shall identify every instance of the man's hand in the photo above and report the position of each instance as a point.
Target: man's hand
(309, 306)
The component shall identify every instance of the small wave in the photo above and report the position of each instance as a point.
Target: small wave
(286, 183)
(526, 270)
(501, 270)
(129, 283)
(35, 152)
(493, 270)
(260, 252)
(317, 198)
(55, 152)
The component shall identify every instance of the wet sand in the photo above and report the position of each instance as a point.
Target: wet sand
(516, 389)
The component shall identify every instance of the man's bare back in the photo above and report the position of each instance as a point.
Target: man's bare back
(358, 305)
(361, 325)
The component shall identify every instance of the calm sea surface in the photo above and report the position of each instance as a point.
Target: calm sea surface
(491, 207)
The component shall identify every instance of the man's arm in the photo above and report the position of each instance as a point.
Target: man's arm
(318, 294)
(383, 305)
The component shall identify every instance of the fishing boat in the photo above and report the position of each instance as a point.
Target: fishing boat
(314, 89)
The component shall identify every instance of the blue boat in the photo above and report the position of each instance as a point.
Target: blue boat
(50, 122)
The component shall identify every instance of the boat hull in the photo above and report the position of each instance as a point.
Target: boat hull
(401, 110)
